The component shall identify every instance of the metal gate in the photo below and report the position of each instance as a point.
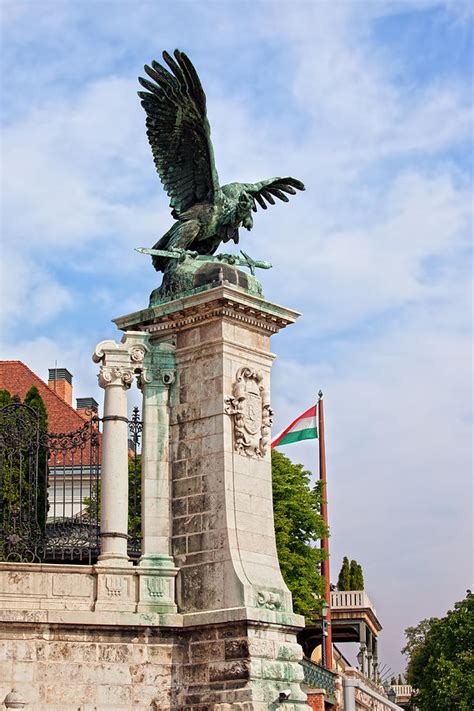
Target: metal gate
(50, 489)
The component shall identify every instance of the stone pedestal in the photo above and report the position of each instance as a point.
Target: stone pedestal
(222, 527)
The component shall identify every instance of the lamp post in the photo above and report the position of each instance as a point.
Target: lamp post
(392, 694)
(324, 625)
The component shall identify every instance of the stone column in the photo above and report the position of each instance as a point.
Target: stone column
(375, 660)
(156, 568)
(119, 361)
(363, 647)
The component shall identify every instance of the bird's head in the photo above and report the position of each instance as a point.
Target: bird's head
(243, 211)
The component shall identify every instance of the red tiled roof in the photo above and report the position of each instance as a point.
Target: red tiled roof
(17, 378)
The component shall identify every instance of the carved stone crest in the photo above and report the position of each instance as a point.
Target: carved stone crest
(250, 408)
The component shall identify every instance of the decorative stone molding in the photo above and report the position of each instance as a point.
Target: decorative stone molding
(156, 376)
(137, 354)
(115, 375)
(156, 591)
(132, 349)
(250, 407)
(116, 590)
(268, 599)
(158, 367)
(227, 309)
(114, 585)
(222, 302)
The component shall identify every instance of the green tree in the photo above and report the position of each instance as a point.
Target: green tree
(344, 579)
(353, 575)
(23, 501)
(5, 397)
(441, 659)
(298, 525)
(34, 400)
(393, 681)
(92, 502)
(357, 577)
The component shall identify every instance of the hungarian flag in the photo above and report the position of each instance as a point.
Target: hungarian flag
(304, 427)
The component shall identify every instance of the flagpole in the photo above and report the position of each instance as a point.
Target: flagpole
(327, 639)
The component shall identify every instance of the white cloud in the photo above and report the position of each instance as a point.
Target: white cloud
(29, 291)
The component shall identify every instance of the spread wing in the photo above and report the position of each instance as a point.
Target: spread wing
(179, 132)
(272, 188)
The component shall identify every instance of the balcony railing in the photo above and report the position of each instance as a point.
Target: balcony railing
(318, 677)
(403, 691)
(351, 599)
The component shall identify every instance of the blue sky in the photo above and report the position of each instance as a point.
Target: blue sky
(369, 103)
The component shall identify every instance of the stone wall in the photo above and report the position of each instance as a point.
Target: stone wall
(62, 668)
(242, 665)
(227, 666)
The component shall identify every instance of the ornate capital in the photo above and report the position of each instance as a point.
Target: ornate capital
(158, 369)
(250, 407)
(115, 375)
(121, 361)
(156, 376)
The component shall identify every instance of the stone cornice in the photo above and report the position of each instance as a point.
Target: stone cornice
(221, 302)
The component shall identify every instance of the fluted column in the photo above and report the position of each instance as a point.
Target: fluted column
(156, 567)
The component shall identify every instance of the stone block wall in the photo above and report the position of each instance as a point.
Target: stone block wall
(223, 539)
(58, 668)
(235, 666)
(241, 666)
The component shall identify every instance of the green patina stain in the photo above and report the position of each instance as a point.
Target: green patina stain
(191, 276)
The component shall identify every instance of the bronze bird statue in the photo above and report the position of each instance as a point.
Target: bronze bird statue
(180, 137)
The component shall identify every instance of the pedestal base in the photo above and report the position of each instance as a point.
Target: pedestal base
(156, 592)
(242, 666)
(115, 587)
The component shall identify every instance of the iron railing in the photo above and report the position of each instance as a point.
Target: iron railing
(317, 677)
(50, 489)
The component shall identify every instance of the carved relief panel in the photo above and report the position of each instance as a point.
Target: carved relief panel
(250, 408)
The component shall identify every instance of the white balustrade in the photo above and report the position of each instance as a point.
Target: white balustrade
(351, 599)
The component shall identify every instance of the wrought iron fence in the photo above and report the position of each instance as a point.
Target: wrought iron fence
(317, 677)
(50, 489)
(134, 485)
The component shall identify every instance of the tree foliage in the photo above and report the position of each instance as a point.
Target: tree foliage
(5, 397)
(34, 400)
(350, 576)
(298, 525)
(441, 659)
(92, 502)
(344, 579)
(24, 479)
(357, 577)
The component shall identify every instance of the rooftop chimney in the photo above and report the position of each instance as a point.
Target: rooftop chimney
(60, 380)
(86, 405)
